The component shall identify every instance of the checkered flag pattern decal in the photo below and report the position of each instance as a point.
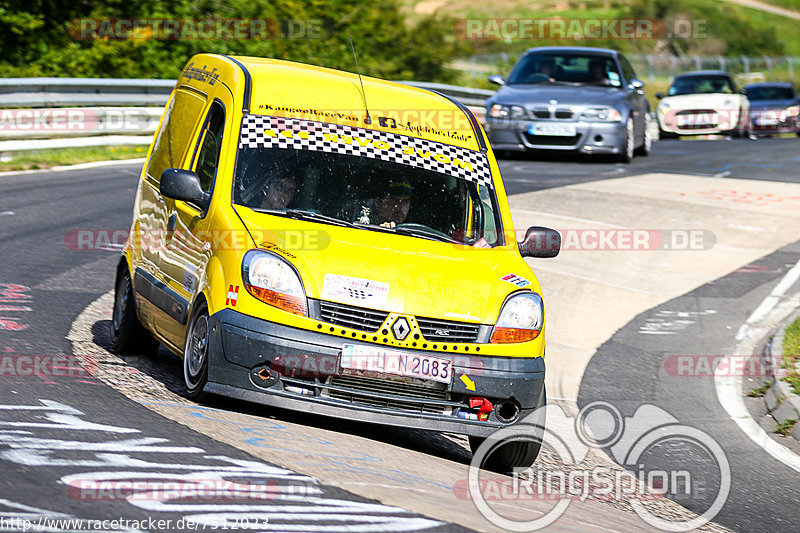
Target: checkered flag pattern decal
(279, 132)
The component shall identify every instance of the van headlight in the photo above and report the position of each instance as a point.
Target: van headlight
(521, 319)
(274, 281)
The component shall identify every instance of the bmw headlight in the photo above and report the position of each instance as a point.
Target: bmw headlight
(601, 114)
(506, 111)
(273, 281)
(521, 319)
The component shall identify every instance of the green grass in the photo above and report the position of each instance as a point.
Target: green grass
(786, 4)
(786, 427)
(785, 28)
(759, 392)
(41, 159)
(791, 354)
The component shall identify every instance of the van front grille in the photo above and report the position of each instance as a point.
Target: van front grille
(359, 318)
(447, 331)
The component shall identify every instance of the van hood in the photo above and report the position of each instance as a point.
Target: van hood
(391, 272)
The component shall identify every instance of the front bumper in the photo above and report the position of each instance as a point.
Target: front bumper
(701, 121)
(589, 138)
(769, 122)
(268, 363)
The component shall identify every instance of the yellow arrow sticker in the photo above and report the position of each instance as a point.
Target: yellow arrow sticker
(468, 382)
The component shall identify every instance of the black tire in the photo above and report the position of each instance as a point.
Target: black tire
(647, 140)
(195, 354)
(662, 134)
(626, 150)
(516, 454)
(128, 335)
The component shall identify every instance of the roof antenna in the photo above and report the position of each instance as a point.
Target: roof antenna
(367, 120)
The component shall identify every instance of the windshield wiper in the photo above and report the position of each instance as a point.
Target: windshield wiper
(304, 214)
(431, 235)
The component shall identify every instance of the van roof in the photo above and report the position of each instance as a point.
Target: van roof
(290, 89)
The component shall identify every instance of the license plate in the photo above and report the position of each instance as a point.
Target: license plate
(553, 128)
(766, 120)
(697, 120)
(383, 361)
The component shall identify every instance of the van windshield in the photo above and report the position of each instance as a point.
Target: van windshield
(367, 179)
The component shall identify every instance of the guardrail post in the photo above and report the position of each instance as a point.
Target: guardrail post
(768, 61)
(790, 62)
(697, 63)
(650, 74)
(746, 64)
(722, 63)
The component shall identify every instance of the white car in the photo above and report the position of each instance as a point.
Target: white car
(704, 102)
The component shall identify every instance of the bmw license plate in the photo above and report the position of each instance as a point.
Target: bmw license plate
(384, 361)
(766, 120)
(559, 129)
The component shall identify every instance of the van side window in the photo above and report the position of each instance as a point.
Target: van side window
(211, 142)
(175, 132)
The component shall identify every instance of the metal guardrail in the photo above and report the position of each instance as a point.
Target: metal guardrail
(466, 95)
(58, 92)
(41, 113)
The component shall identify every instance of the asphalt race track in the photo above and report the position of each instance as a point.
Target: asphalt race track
(64, 429)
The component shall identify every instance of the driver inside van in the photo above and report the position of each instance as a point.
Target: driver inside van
(390, 207)
(277, 193)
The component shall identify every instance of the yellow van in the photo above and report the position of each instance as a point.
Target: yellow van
(308, 239)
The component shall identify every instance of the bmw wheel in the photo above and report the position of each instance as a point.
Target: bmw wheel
(626, 149)
(647, 142)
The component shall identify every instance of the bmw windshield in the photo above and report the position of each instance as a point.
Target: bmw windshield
(566, 68)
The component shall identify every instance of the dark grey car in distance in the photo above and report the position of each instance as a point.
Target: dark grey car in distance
(774, 108)
(587, 100)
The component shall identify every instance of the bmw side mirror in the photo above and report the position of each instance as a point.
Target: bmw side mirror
(659, 95)
(540, 242)
(184, 185)
(497, 79)
(636, 84)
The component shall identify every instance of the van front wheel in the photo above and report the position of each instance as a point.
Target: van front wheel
(195, 354)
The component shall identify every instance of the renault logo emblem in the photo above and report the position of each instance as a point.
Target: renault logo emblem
(401, 329)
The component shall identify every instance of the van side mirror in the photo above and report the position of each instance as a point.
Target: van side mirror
(184, 185)
(540, 242)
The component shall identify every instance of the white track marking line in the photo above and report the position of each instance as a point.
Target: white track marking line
(599, 282)
(729, 388)
(577, 219)
(772, 300)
